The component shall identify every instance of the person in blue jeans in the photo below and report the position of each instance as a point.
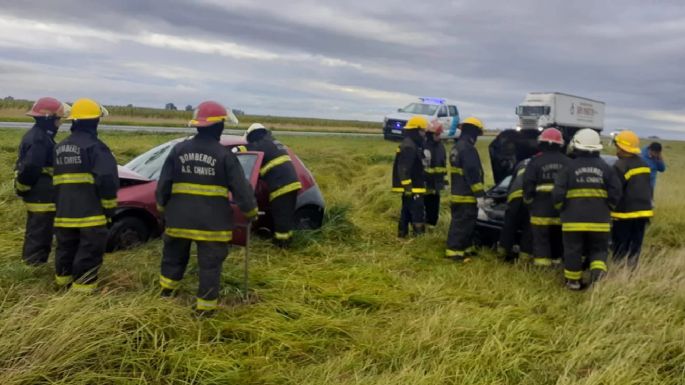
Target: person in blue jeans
(652, 156)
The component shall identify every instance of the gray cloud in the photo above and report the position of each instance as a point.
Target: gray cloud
(273, 57)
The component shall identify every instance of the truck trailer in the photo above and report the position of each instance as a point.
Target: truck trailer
(569, 113)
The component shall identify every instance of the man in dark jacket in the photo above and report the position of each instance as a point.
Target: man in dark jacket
(635, 207)
(538, 182)
(86, 182)
(585, 192)
(408, 177)
(193, 192)
(466, 180)
(280, 177)
(435, 158)
(33, 178)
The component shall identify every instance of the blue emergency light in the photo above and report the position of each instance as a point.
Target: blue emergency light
(430, 100)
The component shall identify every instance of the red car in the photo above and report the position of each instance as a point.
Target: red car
(137, 218)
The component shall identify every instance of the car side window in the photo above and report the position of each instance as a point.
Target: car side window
(453, 111)
(442, 112)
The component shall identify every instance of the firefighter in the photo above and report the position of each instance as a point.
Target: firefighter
(634, 210)
(585, 192)
(436, 170)
(86, 183)
(516, 228)
(408, 177)
(466, 179)
(192, 192)
(33, 178)
(538, 182)
(281, 178)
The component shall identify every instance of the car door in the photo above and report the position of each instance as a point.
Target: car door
(451, 130)
(444, 117)
(251, 162)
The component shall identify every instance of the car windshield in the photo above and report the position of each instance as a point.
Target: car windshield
(421, 109)
(149, 164)
(533, 110)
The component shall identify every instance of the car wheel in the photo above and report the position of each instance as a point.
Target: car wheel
(308, 218)
(127, 232)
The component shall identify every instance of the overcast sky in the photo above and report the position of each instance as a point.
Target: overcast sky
(352, 59)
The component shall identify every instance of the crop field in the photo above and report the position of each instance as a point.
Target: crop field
(14, 111)
(349, 303)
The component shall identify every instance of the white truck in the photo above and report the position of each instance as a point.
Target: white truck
(432, 108)
(569, 113)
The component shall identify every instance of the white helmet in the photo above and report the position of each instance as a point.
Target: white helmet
(586, 140)
(255, 127)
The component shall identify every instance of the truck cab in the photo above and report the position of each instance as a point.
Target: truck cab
(432, 108)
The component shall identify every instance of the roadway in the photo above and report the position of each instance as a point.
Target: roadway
(191, 130)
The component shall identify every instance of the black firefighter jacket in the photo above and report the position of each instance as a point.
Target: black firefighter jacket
(408, 169)
(193, 191)
(34, 168)
(86, 180)
(636, 199)
(436, 158)
(538, 183)
(516, 185)
(585, 192)
(277, 168)
(466, 171)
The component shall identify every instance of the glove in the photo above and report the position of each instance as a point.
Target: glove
(480, 202)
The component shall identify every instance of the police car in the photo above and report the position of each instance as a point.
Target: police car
(432, 108)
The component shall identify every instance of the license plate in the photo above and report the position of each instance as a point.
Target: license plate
(396, 131)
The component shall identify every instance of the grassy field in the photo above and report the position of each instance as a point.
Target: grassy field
(14, 111)
(349, 304)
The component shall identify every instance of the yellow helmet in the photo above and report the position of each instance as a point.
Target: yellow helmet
(628, 142)
(417, 122)
(84, 109)
(474, 122)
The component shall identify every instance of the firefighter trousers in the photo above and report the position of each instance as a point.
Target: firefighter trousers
(547, 244)
(432, 203)
(414, 213)
(210, 259)
(516, 230)
(596, 247)
(627, 236)
(79, 255)
(462, 227)
(38, 237)
(283, 213)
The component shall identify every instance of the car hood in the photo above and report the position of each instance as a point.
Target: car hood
(126, 174)
(402, 116)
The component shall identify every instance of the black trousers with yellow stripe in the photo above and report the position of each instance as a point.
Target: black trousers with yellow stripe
(38, 237)
(516, 230)
(462, 227)
(210, 259)
(283, 213)
(594, 245)
(79, 255)
(547, 244)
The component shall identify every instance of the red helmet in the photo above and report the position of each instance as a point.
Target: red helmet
(551, 136)
(49, 107)
(209, 113)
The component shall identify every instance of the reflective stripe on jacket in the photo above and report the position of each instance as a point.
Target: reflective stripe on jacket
(193, 190)
(584, 192)
(636, 197)
(277, 168)
(538, 183)
(86, 181)
(466, 171)
(408, 169)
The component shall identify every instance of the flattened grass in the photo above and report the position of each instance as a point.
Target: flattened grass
(349, 304)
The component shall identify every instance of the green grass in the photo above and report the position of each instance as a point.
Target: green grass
(349, 304)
